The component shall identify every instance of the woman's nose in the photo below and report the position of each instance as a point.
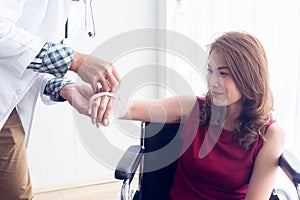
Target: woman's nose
(213, 80)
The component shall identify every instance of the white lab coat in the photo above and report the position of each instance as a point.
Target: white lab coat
(25, 25)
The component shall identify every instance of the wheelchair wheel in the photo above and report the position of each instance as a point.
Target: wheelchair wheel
(283, 194)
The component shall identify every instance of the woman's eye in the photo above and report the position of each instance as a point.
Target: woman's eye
(210, 71)
(224, 73)
(221, 73)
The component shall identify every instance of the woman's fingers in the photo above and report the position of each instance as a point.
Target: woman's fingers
(100, 108)
(93, 109)
(108, 115)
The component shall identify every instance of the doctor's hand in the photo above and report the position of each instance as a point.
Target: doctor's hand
(94, 70)
(79, 97)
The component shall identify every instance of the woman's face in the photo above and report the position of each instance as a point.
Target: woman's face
(221, 85)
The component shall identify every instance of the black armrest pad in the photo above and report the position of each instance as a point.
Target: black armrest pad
(128, 164)
(290, 165)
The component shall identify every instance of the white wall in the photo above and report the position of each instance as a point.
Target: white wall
(55, 152)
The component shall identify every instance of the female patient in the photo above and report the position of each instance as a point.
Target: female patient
(242, 162)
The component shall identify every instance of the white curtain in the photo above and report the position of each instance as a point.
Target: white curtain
(276, 23)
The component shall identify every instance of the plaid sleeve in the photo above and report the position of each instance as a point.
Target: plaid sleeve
(54, 86)
(53, 59)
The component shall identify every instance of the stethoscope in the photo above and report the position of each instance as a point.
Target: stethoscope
(89, 22)
(89, 19)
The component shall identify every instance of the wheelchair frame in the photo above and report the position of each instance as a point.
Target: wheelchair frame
(136, 156)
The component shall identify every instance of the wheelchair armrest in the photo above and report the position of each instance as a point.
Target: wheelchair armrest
(128, 164)
(290, 165)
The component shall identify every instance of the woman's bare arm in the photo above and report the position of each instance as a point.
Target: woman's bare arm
(168, 110)
(266, 165)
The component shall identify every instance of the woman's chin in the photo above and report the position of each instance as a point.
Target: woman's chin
(218, 102)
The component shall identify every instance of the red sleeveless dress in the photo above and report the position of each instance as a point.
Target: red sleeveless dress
(214, 166)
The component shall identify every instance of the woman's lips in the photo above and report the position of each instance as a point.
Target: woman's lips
(214, 93)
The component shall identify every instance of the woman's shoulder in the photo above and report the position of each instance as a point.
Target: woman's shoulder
(200, 98)
(274, 139)
(188, 105)
(274, 131)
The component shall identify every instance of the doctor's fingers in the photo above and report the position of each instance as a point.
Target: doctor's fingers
(110, 80)
(94, 70)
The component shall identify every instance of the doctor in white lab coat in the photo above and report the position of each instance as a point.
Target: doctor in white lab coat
(32, 63)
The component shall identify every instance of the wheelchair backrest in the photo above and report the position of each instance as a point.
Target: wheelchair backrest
(162, 145)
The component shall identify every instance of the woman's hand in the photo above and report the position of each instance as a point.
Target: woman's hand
(100, 110)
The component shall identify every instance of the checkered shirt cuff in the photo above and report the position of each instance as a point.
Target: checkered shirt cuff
(54, 86)
(53, 59)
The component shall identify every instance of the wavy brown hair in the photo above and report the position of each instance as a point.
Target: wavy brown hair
(247, 62)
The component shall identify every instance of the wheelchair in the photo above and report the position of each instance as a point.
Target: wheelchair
(155, 181)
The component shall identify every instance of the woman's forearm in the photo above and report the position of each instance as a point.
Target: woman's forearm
(168, 110)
